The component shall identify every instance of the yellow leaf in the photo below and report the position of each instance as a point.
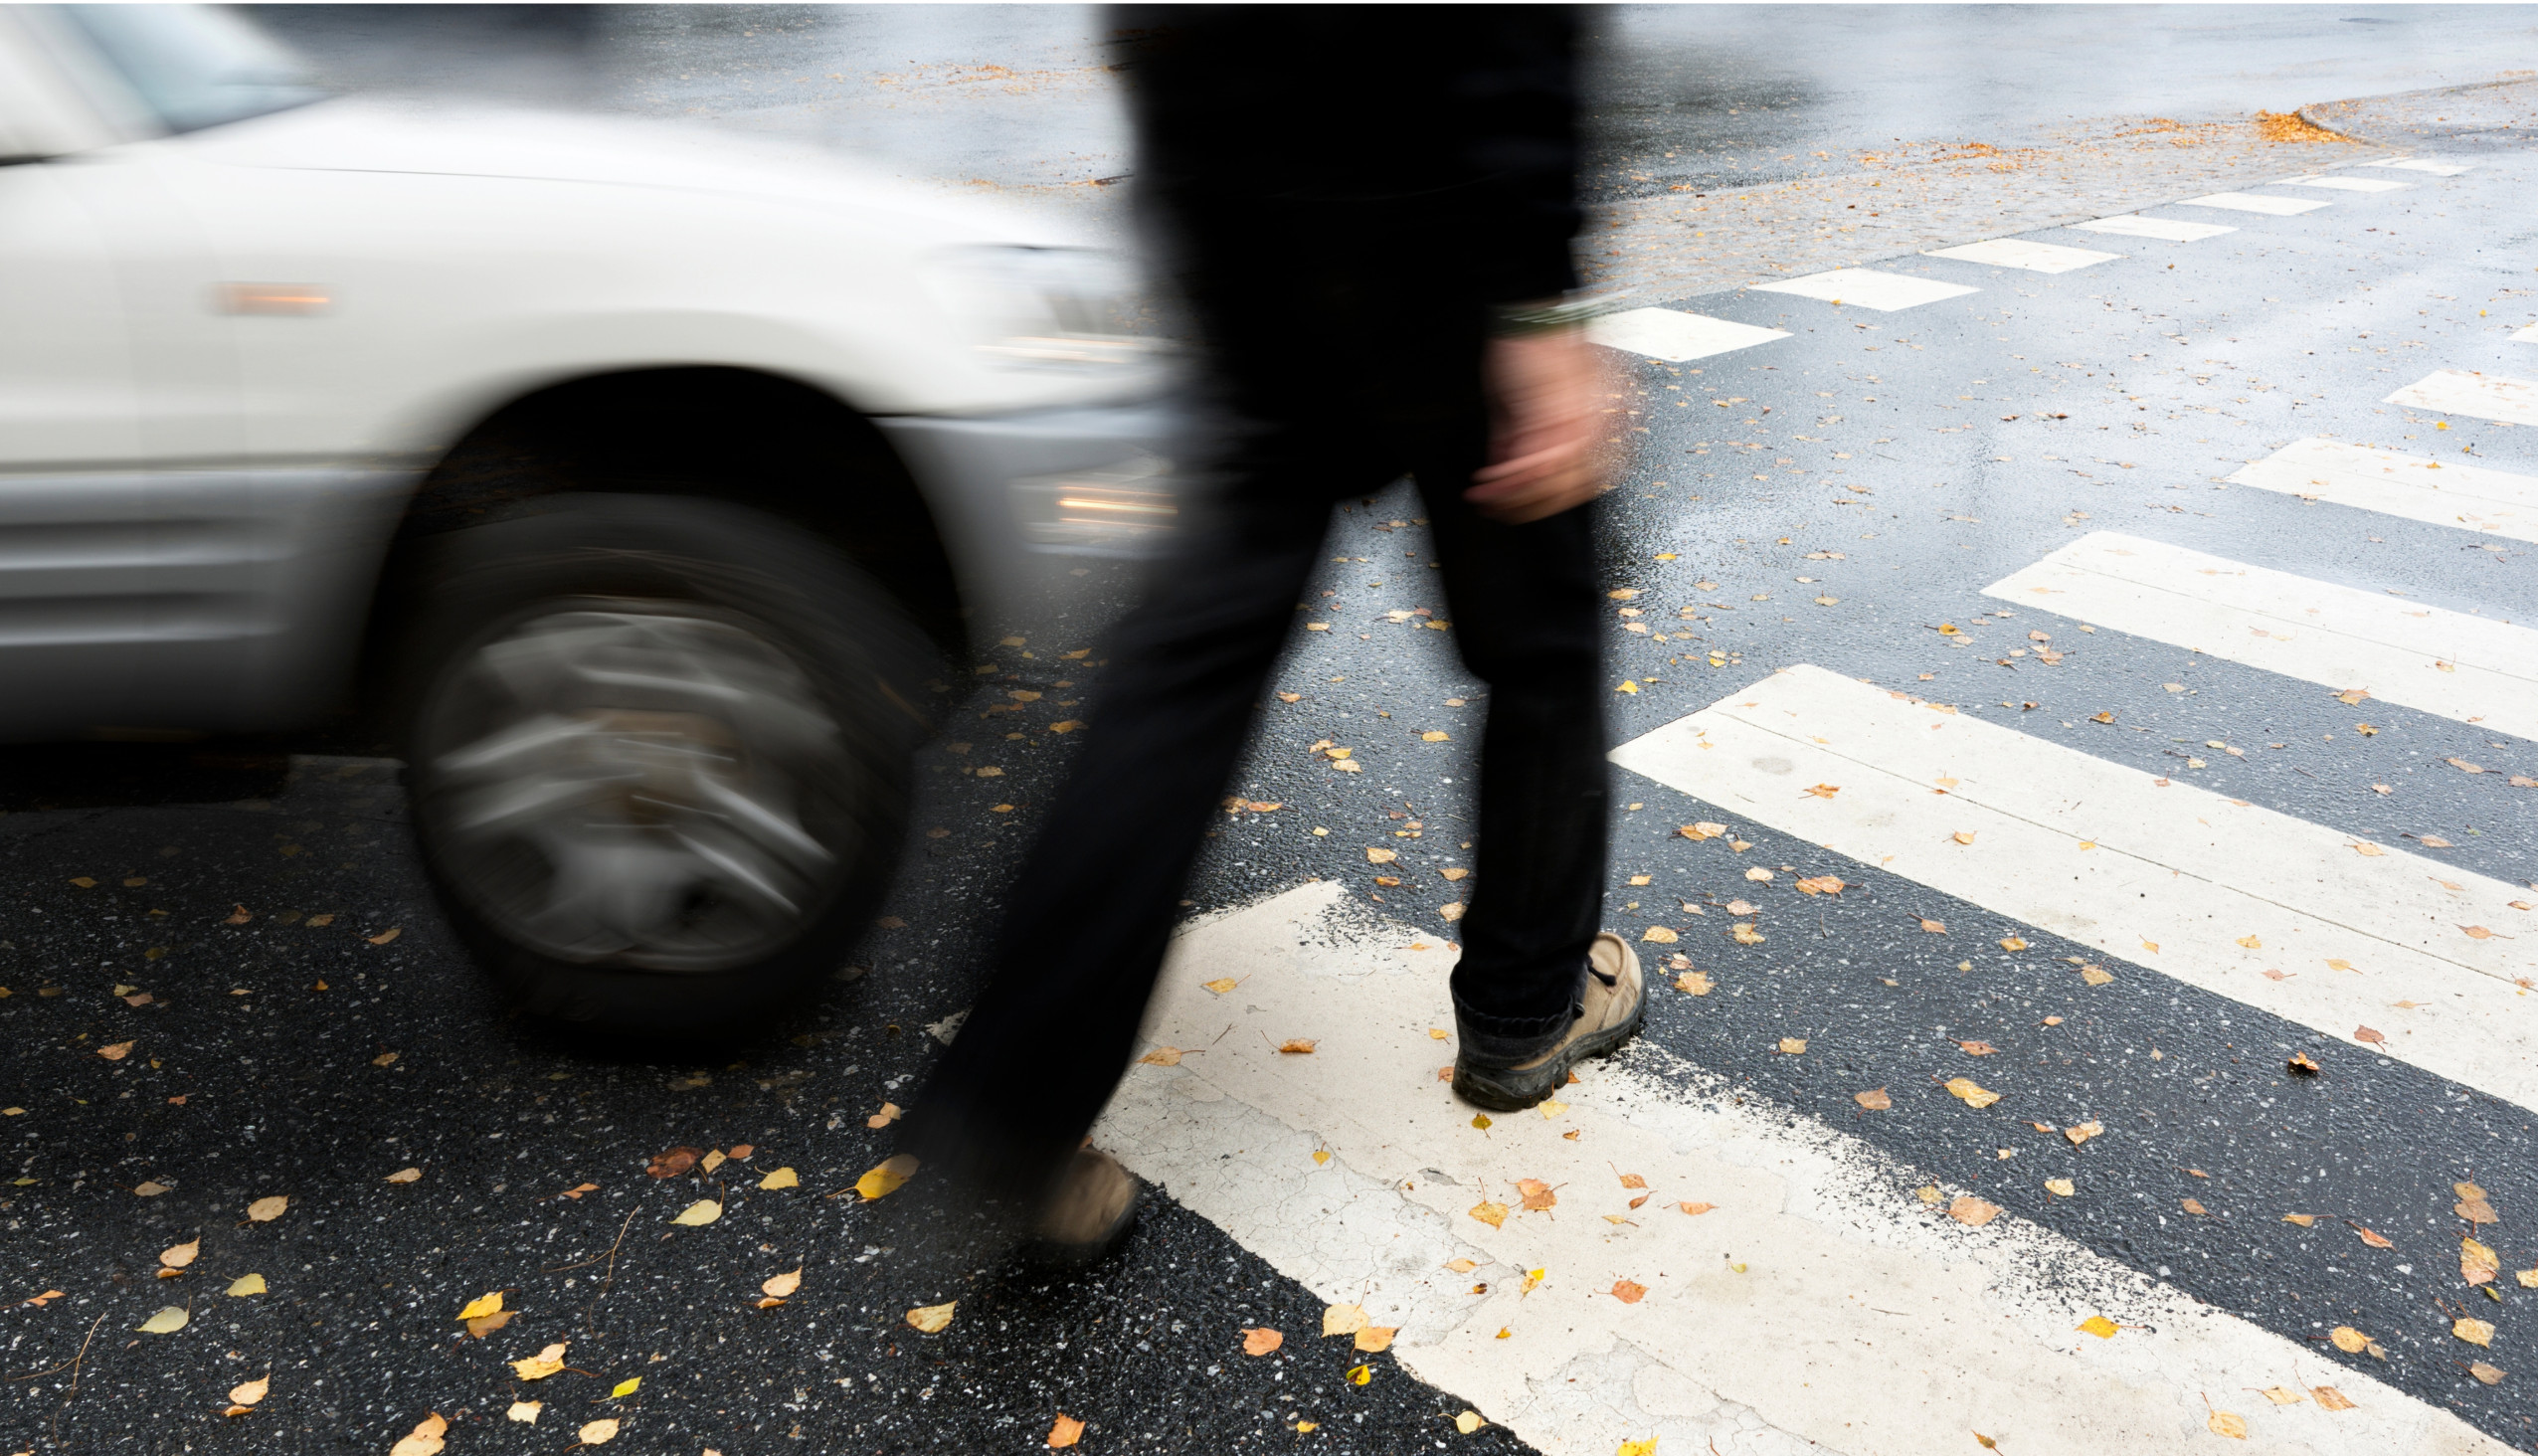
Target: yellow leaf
(525, 1411)
(1793, 1047)
(782, 1177)
(1432, 736)
(2528, 1278)
(1973, 1096)
(1469, 1421)
(2096, 976)
(699, 1213)
(2331, 1398)
(115, 1051)
(1480, 1120)
(1627, 686)
(781, 1285)
(1380, 856)
(2100, 1326)
(166, 1322)
(2251, 943)
(1963, 837)
(250, 1393)
(384, 1059)
(1694, 982)
(1161, 1056)
(1972, 1211)
(1297, 1047)
(2083, 1131)
(1658, 934)
(932, 1318)
(541, 1364)
(265, 1211)
(484, 1324)
(1306, 1427)
(1344, 1319)
(247, 1284)
(481, 1306)
(2061, 1187)
(1928, 1194)
(1638, 1448)
(426, 1440)
(2347, 1339)
(1538, 1195)
(627, 1388)
(598, 1432)
(1359, 1374)
(2474, 1332)
(2282, 1396)
(1551, 1107)
(385, 936)
(2477, 1263)
(2223, 1424)
(2011, 942)
(1065, 1431)
(2303, 1219)
(888, 1114)
(406, 1175)
(181, 1255)
(1744, 933)
(1493, 1214)
(1376, 1339)
(1220, 985)
(886, 1179)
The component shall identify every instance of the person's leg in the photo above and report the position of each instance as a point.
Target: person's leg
(1527, 618)
(1089, 919)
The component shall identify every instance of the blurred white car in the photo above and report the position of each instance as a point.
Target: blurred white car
(643, 480)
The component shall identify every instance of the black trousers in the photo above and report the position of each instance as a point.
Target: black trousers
(1339, 382)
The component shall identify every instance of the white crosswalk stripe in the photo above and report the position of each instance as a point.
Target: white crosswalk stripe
(2171, 229)
(2346, 184)
(1868, 288)
(2209, 890)
(2472, 393)
(2450, 663)
(1674, 335)
(2048, 258)
(2424, 164)
(2257, 202)
(2439, 492)
(1851, 1318)
(2527, 335)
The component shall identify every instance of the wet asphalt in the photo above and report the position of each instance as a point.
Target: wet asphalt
(277, 1032)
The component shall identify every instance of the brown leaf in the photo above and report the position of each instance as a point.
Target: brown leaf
(2192, 1206)
(1875, 1099)
(674, 1161)
(888, 1114)
(1633, 1181)
(1376, 1339)
(1297, 1047)
(1934, 927)
(2374, 1239)
(1628, 1292)
(1745, 934)
(1262, 1341)
(1793, 1047)
(2489, 1374)
(2365, 1033)
(1160, 1056)
(1696, 1210)
(2301, 1066)
(483, 1325)
(2083, 1131)
(2305, 1220)
(115, 1051)
(1972, 1211)
(1977, 1048)
(2478, 1264)
(1694, 982)
(1822, 884)
(1538, 1195)
(2477, 931)
(266, 1210)
(1065, 1431)
(2329, 1398)
(181, 1255)
(237, 915)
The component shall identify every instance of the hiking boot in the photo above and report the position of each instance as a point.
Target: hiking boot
(1087, 1214)
(1613, 1004)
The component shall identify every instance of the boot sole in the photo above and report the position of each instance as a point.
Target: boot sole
(1506, 1089)
(1067, 1258)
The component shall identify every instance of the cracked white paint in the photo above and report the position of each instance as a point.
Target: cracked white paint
(1860, 1322)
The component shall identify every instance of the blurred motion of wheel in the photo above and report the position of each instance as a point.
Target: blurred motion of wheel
(658, 754)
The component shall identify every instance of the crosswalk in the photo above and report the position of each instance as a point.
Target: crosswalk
(2472, 393)
(2472, 498)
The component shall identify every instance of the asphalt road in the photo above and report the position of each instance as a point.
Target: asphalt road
(1892, 465)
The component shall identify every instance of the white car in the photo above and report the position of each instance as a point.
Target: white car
(643, 481)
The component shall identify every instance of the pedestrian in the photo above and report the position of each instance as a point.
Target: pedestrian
(1369, 213)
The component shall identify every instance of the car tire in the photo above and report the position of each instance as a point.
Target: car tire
(657, 756)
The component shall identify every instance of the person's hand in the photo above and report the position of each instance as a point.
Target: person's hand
(1542, 422)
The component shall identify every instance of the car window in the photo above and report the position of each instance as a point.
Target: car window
(193, 65)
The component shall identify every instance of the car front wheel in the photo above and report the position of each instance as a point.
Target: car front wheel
(658, 756)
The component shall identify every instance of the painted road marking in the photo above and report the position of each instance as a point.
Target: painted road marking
(2255, 201)
(1818, 1306)
(2346, 184)
(2209, 890)
(2050, 258)
(2527, 335)
(2418, 164)
(2452, 663)
(2469, 392)
(1866, 288)
(1674, 335)
(2134, 225)
(2441, 492)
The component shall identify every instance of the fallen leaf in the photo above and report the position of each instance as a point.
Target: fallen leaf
(1469, 1421)
(425, 1439)
(2474, 1332)
(1928, 1194)
(480, 1328)
(1376, 1339)
(1793, 1047)
(1628, 1292)
(1552, 1108)
(2011, 942)
(1934, 927)
(1359, 1374)
(2347, 1339)
(2282, 1396)
(674, 1161)
(2223, 1424)
(115, 1051)
(1822, 884)
(2365, 1033)
(2250, 943)
(1963, 837)
(598, 1432)
(2305, 1220)
(576, 1192)
(244, 1285)
(180, 1255)
(525, 1411)
(1973, 1096)
(481, 1306)
(1741, 907)
(2477, 1263)
(1875, 1099)
(1262, 1341)
(2375, 1239)
(888, 1114)
(1824, 791)
(1538, 1195)
(1758, 874)
(385, 936)
(1297, 1047)
(541, 1364)
(1380, 856)
(1972, 1211)
(1744, 933)
(1220, 985)
(784, 1177)
(1977, 1048)
(782, 1286)
(2096, 976)
(1695, 1210)
(627, 1388)
(2300, 1064)
(1638, 1448)
(1343, 1319)
(265, 1211)
(932, 1318)
(2100, 1326)
(1066, 1431)
(699, 1213)
(2061, 1187)
(1658, 934)
(1694, 982)
(2489, 1375)
(1701, 831)
(166, 1322)
(2477, 931)
(1493, 1214)
(2083, 1131)
(406, 1175)
(2193, 1205)
(886, 1179)
(2331, 1398)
